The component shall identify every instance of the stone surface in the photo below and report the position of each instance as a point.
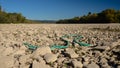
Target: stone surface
(102, 48)
(60, 60)
(49, 57)
(39, 65)
(6, 61)
(118, 66)
(8, 51)
(71, 53)
(42, 51)
(92, 65)
(77, 64)
(25, 59)
(19, 52)
(12, 37)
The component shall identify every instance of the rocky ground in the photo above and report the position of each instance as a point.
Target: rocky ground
(104, 52)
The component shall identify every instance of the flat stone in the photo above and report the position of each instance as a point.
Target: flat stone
(71, 53)
(41, 51)
(92, 65)
(103, 60)
(8, 51)
(77, 64)
(60, 60)
(49, 57)
(102, 48)
(19, 52)
(114, 44)
(24, 66)
(1, 49)
(105, 65)
(39, 65)
(118, 66)
(24, 59)
(6, 61)
(86, 59)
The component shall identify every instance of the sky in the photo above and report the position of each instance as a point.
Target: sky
(57, 9)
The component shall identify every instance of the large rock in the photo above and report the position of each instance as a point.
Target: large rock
(39, 65)
(102, 48)
(49, 57)
(1, 48)
(6, 61)
(71, 53)
(92, 65)
(8, 51)
(24, 66)
(41, 51)
(77, 64)
(118, 66)
(60, 60)
(25, 59)
(19, 52)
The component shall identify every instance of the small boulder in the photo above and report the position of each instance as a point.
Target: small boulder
(24, 59)
(49, 57)
(6, 61)
(8, 51)
(77, 64)
(71, 53)
(41, 51)
(92, 65)
(39, 65)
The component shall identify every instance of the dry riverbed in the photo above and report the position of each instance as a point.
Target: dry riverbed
(104, 51)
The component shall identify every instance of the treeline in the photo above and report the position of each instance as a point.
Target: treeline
(106, 16)
(12, 17)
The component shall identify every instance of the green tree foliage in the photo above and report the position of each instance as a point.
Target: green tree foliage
(11, 17)
(106, 16)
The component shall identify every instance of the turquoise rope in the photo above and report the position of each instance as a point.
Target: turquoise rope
(52, 47)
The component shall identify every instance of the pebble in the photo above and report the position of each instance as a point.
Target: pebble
(41, 51)
(6, 61)
(14, 55)
(71, 53)
(60, 60)
(50, 58)
(24, 59)
(92, 65)
(8, 51)
(36, 64)
(77, 64)
(102, 48)
(118, 66)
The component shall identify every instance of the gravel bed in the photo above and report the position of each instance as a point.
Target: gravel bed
(104, 51)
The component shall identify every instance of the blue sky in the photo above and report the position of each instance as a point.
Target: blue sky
(57, 9)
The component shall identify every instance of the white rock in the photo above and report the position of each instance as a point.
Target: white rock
(60, 60)
(1, 48)
(71, 53)
(77, 64)
(49, 57)
(92, 65)
(102, 47)
(114, 44)
(39, 65)
(24, 59)
(20, 52)
(23, 48)
(24, 66)
(40, 59)
(6, 61)
(8, 51)
(41, 51)
(118, 66)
